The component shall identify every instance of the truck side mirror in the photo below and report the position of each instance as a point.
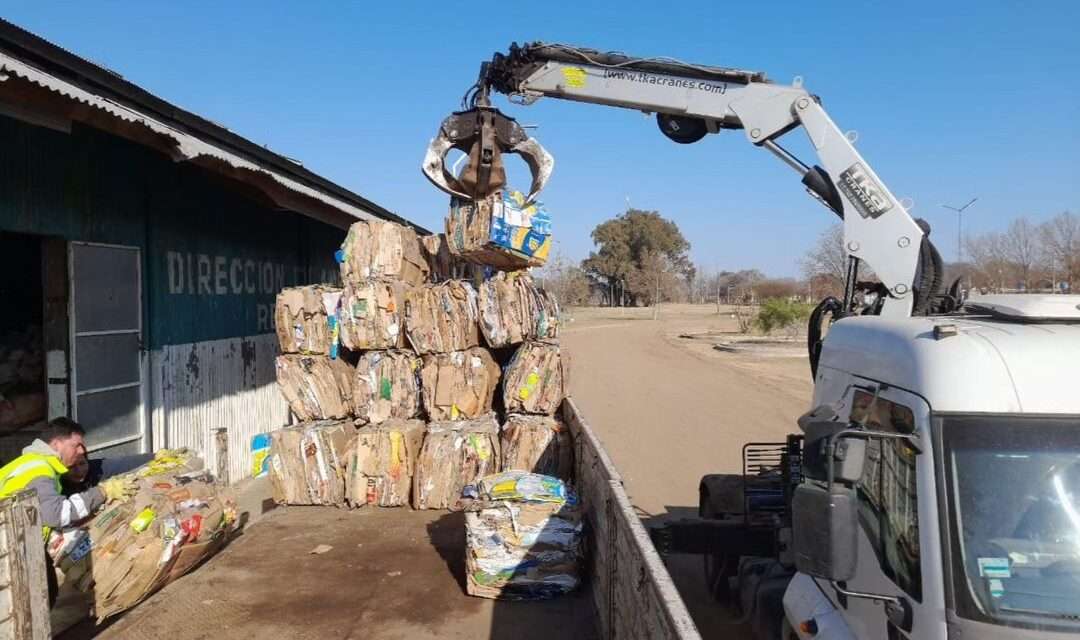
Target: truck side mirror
(848, 459)
(824, 526)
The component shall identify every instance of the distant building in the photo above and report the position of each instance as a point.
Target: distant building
(141, 248)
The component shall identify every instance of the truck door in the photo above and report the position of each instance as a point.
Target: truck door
(106, 346)
(899, 549)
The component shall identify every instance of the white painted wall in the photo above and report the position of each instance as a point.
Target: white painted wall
(199, 387)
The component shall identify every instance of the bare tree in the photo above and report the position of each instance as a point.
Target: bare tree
(825, 264)
(1060, 237)
(1021, 248)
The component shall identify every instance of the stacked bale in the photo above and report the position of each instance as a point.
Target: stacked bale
(382, 462)
(536, 379)
(460, 384)
(386, 386)
(540, 444)
(455, 454)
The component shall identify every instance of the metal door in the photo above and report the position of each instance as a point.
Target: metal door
(106, 345)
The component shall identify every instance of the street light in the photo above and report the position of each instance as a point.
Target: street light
(960, 226)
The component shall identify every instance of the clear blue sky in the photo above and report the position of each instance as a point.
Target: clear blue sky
(951, 100)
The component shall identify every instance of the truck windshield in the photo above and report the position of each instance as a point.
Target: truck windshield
(1013, 493)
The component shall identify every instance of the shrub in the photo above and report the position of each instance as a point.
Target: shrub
(780, 313)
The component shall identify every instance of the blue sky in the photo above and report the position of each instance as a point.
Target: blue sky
(951, 100)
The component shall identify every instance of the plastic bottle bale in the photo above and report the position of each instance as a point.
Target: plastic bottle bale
(440, 318)
(537, 444)
(454, 455)
(382, 462)
(523, 538)
(316, 387)
(386, 386)
(536, 379)
(502, 231)
(460, 385)
(369, 315)
(381, 249)
(304, 318)
(307, 462)
(513, 309)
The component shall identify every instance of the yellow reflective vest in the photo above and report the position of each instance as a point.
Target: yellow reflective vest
(20, 472)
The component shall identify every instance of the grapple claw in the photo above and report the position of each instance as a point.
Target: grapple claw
(484, 134)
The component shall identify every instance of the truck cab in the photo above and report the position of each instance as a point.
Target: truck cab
(967, 523)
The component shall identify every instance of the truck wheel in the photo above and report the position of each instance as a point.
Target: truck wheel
(718, 566)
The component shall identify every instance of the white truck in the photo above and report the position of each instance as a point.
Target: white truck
(934, 489)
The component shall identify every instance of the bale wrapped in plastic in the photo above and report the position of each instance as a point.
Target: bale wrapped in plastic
(513, 309)
(502, 231)
(536, 379)
(381, 249)
(459, 385)
(316, 387)
(369, 315)
(382, 462)
(129, 550)
(523, 537)
(453, 456)
(538, 444)
(386, 386)
(440, 318)
(307, 462)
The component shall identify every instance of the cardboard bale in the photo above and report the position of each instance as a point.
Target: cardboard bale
(129, 550)
(513, 309)
(502, 231)
(459, 385)
(381, 463)
(440, 318)
(307, 462)
(386, 386)
(523, 537)
(316, 387)
(453, 456)
(369, 315)
(304, 318)
(442, 265)
(538, 444)
(536, 379)
(381, 249)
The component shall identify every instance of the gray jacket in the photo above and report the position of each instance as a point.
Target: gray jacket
(58, 511)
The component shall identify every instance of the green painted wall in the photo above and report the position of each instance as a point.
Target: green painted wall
(213, 258)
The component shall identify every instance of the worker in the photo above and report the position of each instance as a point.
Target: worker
(44, 462)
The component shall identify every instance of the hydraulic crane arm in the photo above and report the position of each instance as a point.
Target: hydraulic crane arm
(691, 101)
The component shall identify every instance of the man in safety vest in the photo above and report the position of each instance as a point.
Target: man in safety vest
(41, 466)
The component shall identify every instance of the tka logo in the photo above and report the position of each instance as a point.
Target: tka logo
(864, 192)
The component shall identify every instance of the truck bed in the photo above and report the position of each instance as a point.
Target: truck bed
(396, 573)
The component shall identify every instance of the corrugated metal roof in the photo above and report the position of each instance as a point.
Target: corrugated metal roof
(192, 137)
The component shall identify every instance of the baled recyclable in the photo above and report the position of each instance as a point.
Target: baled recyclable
(440, 318)
(369, 315)
(381, 249)
(316, 387)
(307, 462)
(459, 385)
(513, 309)
(502, 231)
(386, 386)
(304, 318)
(454, 455)
(538, 444)
(381, 463)
(536, 378)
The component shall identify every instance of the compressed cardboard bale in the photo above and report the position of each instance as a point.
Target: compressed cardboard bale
(442, 265)
(369, 315)
(381, 249)
(453, 456)
(513, 309)
(386, 386)
(502, 231)
(304, 318)
(316, 387)
(459, 385)
(381, 463)
(440, 318)
(307, 462)
(129, 550)
(523, 537)
(537, 444)
(536, 379)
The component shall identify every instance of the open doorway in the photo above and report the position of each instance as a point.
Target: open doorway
(23, 394)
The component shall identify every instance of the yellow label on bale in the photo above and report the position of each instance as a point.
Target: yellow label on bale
(574, 76)
(455, 413)
(143, 520)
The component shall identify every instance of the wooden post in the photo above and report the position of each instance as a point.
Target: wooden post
(24, 586)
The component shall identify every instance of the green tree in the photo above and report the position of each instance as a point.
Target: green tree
(641, 249)
(780, 313)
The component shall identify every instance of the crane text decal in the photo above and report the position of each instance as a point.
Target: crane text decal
(864, 192)
(667, 81)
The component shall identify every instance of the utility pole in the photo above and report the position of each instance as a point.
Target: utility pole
(656, 300)
(960, 227)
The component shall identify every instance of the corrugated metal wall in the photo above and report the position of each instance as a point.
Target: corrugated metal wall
(201, 387)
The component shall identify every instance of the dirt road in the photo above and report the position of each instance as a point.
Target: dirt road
(671, 409)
